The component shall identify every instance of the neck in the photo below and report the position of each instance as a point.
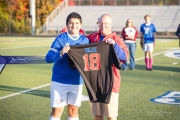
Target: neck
(73, 34)
(105, 34)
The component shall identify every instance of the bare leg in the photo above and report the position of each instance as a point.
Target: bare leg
(57, 112)
(73, 111)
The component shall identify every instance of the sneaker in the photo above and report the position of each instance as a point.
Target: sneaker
(147, 68)
(150, 69)
(132, 68)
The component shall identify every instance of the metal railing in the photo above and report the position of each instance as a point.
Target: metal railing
(52, 16)
(122, 2)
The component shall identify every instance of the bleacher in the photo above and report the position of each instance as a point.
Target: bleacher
(165, 18)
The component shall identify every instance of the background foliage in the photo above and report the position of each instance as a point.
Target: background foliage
(15, 15)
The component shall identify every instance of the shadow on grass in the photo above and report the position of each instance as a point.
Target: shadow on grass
(163, 68)
(41, 93)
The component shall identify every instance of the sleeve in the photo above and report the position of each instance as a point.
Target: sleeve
(120, 52)
(121, 49)
(136, 34)
(116, 61)
(123, 33)
(54, 52)
(141, 29)
(154, 28)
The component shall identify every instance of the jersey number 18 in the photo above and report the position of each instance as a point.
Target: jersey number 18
(92, 61)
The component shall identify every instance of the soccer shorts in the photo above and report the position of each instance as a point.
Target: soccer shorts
(64, 94)
(102, 109)
(148, 47)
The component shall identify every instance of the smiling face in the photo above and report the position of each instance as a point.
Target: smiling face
(105, 25)
(73, 23)
(73, 26)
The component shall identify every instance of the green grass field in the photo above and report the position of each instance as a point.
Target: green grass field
(138, 87)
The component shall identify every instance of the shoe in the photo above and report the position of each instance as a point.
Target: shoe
(147, 68)
(132, 68)
(150, 69)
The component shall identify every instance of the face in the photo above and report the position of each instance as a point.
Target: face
(74, 25)
(98, 23)
(105, 25)
(147, 19)
(129, 23)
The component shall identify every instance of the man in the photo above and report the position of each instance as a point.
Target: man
(98, 110)
(148, 35)
(66, 84)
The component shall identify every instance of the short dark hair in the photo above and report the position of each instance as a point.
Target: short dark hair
(73, 15)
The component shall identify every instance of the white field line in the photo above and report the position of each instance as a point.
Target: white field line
(21, 92)
(23, 47)
(157, 53)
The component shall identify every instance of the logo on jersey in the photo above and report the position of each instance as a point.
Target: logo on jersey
(170, 97)
(146, 30)
(67, 44)
(90, 50)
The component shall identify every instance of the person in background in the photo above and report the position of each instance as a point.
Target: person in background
(66, 84)
(178, 33)
(99, 110)
(129, 34)
(148, 33)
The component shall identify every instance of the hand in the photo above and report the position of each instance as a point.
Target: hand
(110, 41)
(131, 36)
(64, 50)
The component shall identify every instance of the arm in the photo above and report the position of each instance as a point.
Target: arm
(123, 34)
(120, 52)
(54, 52)
(121, 49)
(154, 38)
(136, 34)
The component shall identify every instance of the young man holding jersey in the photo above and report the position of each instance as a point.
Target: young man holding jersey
(99, 110)
(66, 84)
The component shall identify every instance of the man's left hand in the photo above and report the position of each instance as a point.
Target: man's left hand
(110, 41)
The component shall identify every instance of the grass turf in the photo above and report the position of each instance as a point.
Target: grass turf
(137, 87)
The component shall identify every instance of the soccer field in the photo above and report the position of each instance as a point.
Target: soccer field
(144, 95)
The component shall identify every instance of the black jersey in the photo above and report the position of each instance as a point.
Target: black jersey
(94, 62)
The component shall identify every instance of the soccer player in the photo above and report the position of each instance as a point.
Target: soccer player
(129, 34)
(66, 84)
(148, 33)
(98, 110)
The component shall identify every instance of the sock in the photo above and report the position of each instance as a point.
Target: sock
(150, 62)
(70, 118)
(53, 118)
(147, 62)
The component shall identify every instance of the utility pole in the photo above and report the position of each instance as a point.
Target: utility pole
(33, 16)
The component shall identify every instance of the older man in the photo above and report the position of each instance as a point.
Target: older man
(98, 110)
